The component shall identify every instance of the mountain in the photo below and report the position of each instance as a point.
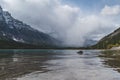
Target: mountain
(109, 41)
(89, 42)
(16, 31)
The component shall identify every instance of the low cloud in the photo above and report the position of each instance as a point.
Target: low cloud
(92, 27)
(62, 21)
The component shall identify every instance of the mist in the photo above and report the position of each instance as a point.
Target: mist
(68, 23)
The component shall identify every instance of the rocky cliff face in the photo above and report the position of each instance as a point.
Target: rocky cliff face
(13, 29)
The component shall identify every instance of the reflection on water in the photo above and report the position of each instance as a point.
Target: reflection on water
(14, 63)
(58, 65)
(111, 59)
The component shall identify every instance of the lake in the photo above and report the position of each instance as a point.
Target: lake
(59, 65)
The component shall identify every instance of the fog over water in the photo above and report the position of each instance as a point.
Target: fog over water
(69, 23)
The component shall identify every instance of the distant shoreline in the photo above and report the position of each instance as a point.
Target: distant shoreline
(53, 49)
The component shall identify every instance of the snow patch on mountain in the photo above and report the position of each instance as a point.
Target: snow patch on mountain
(13, 29)
(18, 40)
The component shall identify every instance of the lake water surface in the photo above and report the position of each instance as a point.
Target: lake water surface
(59, 65)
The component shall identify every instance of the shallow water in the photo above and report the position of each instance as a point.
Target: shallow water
(57, 65)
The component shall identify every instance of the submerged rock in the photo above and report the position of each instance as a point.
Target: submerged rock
(80, 52)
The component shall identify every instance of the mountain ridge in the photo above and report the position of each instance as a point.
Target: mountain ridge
(12, 29)
(109, 41)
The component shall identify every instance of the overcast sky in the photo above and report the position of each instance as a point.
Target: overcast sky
(69, 20)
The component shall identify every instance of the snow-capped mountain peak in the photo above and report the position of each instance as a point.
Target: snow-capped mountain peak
(13, 29)
(8, 17)
(1, 14)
